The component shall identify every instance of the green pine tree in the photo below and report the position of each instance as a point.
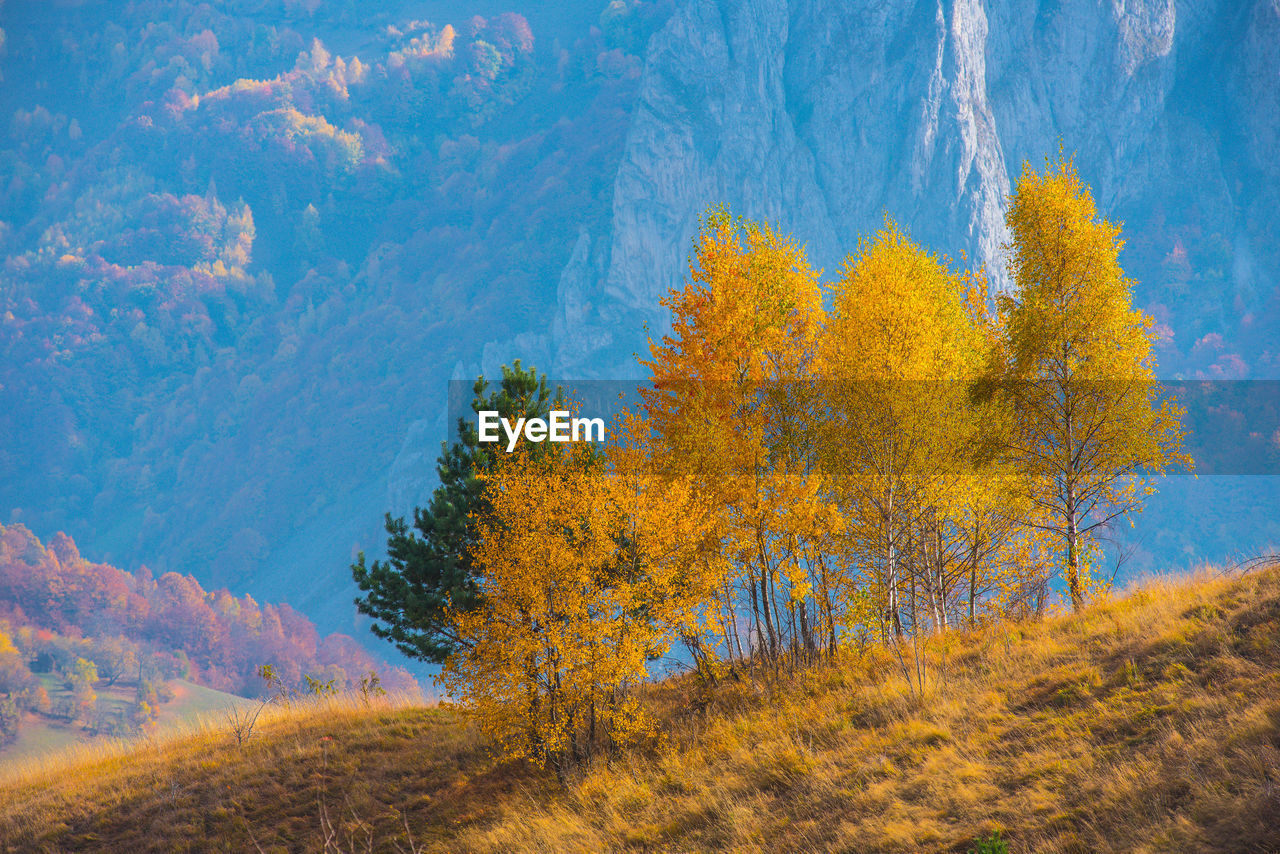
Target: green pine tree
(429, 564)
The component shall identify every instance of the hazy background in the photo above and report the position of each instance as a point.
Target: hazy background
(244, 246)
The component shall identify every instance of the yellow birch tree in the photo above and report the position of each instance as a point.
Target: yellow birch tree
(1079, 374)
(729, 404)
(898, 356)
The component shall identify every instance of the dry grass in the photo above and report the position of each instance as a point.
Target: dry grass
(1150, 723)
(369, 768)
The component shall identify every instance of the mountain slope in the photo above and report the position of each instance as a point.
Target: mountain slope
(1151, 723)
(245, 247)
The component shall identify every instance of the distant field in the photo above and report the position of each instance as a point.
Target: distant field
(41, 735)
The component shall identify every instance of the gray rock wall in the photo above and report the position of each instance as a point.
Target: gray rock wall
(824, 117)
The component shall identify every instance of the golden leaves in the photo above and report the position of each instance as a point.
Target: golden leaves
(589, 571)
(909, 462)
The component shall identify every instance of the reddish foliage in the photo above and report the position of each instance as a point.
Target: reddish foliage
(223, 637)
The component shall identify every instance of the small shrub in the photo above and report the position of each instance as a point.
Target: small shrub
(276, 690)
(320, 687)
(371, 686)
(992, 844)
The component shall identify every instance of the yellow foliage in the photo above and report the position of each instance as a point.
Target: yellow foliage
(898, 358)
(1078, 370)
(730, 405)
(800, 481)
(586, 577)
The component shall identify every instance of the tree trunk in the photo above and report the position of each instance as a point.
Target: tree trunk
(973, 577)
(891, 569)
(938, 592)
(1073, 560)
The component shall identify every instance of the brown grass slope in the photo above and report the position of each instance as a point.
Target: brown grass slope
(1149, 723)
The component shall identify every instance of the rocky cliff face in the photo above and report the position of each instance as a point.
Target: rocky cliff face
(825, 117)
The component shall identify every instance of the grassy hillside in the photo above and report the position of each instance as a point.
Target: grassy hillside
(1150, 723)
(41, 734)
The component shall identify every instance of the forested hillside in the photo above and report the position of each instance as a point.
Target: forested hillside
(72, 630)
(244, 246)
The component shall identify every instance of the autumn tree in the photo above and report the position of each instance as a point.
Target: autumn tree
(115, 657)
(899, 354)
(728, 404)
(10, 718)
(582, 581)
(1078, 369)
(19, 688)
(1002, 571)
(143, 715)
(429, 568)
(80, 679)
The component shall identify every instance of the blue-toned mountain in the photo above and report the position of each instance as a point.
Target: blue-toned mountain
(245, 246)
